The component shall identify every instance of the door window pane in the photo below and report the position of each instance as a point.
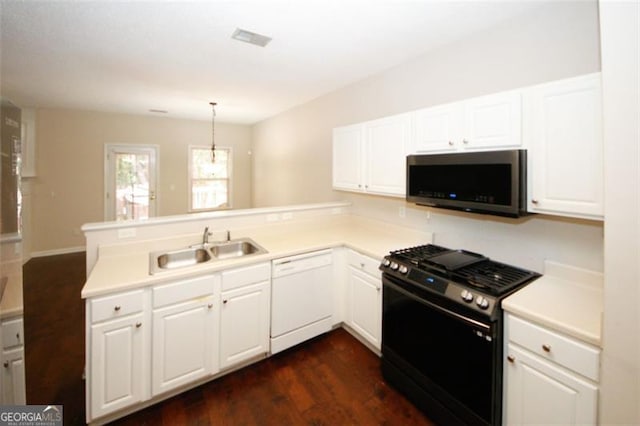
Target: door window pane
(132, 186)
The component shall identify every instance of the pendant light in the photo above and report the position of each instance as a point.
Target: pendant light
(213, 131)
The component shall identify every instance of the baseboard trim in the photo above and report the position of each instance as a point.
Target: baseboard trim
(57, 251)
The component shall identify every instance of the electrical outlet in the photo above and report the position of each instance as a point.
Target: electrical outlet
(127, 233)
(273, 217)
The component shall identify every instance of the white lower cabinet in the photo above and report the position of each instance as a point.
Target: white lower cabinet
(119, 365)
(244, 314)
(12, 359)
(13, 379)
(549, 378)
(184, 333)
(364, 295)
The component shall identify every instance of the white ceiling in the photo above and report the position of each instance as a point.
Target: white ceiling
(132, 56)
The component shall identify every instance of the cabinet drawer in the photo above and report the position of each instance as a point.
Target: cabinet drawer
(248, 275)
(183, 290)
(364, 263)
(116, 306)
(563, 350)
(12, 333)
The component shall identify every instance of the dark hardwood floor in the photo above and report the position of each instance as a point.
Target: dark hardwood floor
(54, 332)
(331, 380)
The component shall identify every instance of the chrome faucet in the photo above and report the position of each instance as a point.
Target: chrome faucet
(205, 236)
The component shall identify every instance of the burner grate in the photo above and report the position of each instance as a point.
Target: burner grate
(494, 276)
(420, 252)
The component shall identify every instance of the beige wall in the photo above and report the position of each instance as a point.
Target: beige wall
(68, 189)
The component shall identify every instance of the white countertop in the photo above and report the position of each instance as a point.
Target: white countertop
(11, 297)
(126, 266)
(566, 299)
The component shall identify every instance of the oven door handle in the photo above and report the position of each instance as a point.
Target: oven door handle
(389, 283)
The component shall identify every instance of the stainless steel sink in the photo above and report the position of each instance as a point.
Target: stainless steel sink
(235, 248)
(160, 261)
(181, 258)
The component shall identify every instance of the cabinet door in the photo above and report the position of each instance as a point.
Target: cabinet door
(183, 344)
(539, 392)
(566, 155)
(244, 323)
(437, 129)
(365, 305)
(13, 380)
(493, 121)
(117, 364)
(347, 157)
(386, 142)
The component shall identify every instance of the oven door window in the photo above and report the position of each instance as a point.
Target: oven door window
(446, 354)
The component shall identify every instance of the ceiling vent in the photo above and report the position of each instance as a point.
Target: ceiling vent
(249, 37)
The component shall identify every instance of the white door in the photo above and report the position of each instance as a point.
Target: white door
(130, 181)
(117, 365)
(244, 324)
(540, 393)
(183, 339)
(386, 142)
(365, 305)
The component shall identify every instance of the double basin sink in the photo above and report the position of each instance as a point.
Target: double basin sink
(160, 261)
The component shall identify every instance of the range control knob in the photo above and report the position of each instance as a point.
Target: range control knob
(482, 302)
(403, 269)
(394, 266)
(386, 263)
(467, 296)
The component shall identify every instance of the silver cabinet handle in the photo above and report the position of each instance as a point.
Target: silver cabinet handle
(450, 143)
(116, 308)
(534, 201)
(511, 359)
(210, 305)
(6, 364)
(546, 348)
(225, 301)
(138, 324)
(464, 141)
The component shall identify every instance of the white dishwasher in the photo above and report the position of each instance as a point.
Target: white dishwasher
(301, 298)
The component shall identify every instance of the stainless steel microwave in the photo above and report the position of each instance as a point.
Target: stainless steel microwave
(490, 182)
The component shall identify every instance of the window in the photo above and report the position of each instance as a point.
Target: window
(209, 182)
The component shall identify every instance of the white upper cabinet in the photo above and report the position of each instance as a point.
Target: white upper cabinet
(564, 132)
(370, 157)
(437, 128)
(347, 154)
(386, 141)
(487, 122)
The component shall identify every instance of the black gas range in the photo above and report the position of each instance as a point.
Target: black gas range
(442, 330)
